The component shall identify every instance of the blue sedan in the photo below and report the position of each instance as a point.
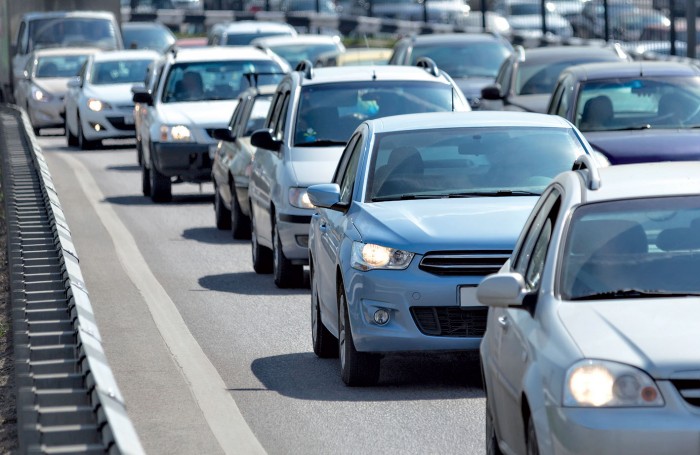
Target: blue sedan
(420, 209)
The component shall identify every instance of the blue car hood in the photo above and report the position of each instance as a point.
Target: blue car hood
(623, 147)
(426, 225)
(471, 86)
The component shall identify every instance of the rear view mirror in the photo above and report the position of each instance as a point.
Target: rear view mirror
(502, 290)
(223, 134)
(264, 140)
(141, 95)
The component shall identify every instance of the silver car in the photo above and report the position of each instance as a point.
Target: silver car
(592, 333)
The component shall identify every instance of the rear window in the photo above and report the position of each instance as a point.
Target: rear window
(244, 39)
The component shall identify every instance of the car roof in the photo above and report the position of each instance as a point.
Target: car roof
(298, 39)
(144, 25)
(559, 53)
(130, 54)
(256, 26)
(66, 51)
(476, 119)
(444, 38)
(215, 53)
(629, 181)
(333, 74)
(53, 14)
(592, 71)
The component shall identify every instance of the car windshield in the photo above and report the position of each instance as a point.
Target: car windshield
(459, 60)
(157, 39)
(201, 81)
(258, 114)
(331, 112)
(469, 162)
(122, 72)
(294, 53)
(73, 31)
(540, 78)
(244, 39)
(632, 248)
(639, 103)
(59, 66)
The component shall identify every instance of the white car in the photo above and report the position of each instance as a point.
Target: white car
(241, 33)
(98, 104)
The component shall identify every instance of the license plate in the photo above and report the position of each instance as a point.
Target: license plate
(467, 296)
(128, 120)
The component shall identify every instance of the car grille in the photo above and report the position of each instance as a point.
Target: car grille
(689, 390)
(473, 263)
(450, 321)
(118, 123)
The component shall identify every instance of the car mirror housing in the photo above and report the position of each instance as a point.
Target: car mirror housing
(491, 92)
(73, 83)
(142, 96)
(326, 195)
(263, 139)
(223, 134)
(502, 290)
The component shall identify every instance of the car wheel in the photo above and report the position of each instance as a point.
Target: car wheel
(145, 179)
(324, 343)
(161, 186)
(240, 223)
(222, 215)
(532, 446)
(139, 152)
(262, 257)
(356, 368)
(71, 138)
(491, 440)
(83, 142)
(36, 130)
(286, 274)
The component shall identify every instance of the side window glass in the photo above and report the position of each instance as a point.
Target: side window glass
(533, 273)
(524, 255)
(236, 116)
(344, 159)
(503, 78)
(348, 181)
(22, 39)
(274, 111)
(281, 120)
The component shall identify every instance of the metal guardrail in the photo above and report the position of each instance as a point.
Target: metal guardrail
(67, 398)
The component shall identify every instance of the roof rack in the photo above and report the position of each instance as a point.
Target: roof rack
(429, 65)
(586, 162)
(306, 67)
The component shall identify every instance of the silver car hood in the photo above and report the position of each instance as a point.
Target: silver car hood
(57, 86)
(659, 336)
(312, 165)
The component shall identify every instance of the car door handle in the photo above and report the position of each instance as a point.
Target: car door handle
(503, 322)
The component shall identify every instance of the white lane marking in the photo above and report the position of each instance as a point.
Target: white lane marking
(210, 391)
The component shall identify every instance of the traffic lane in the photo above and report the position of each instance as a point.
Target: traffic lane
(258, 337)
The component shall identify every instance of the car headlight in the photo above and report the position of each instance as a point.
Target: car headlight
(177, 133)
(298, 197)
(40, 95)
(368, 256)
(600, 383)
(96, 105)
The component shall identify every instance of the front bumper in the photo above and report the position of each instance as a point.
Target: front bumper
(46, 114)
(108, 124)
(412, 296)
(189, 161)
(294, 235)
(672, 428)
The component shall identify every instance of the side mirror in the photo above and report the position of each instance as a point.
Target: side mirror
(223, 134)
(502, 290)
(141, 95)
(492, 92)
(264, 140)
(74, 83)
(326, 195)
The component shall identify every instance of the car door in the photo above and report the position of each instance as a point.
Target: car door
(72, 101)
(331, 226)
(151, 116)
(224, 153)
(515, 325)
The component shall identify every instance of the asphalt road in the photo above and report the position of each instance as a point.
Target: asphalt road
(256, 337)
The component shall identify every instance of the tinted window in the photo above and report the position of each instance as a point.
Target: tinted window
(540, 78)
(464, 60)
(256, 120)
(158, 39)
(73, 31)
(124, 72)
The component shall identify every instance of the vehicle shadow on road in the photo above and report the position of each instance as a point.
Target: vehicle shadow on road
(248, 283)
(407, 377)
(178, 199)
(124, 168)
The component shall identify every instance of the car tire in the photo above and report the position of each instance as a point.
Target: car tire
(222, 215)
(139, 152)
(161, 186)
(240, 223)
(145, 179)
(286, 274)
(83, 142)
(532, 448)
(324, 343)
(262, 256)
(71, 138)
(356, 368)
(37, 131)
(491, 439)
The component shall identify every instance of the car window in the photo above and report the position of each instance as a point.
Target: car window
(235, 118)
(22, 38)
(331, 112)
(350, 175)
(295, 53)
(282, 119)
(119, 72)
(540, 78)
(505, 74)
(158, 39)
(645, 244)
(344, 159)
(465, 59)
(529, 259)
(469, 162)
(257, 114)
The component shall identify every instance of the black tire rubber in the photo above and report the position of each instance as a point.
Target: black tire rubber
(356, 368)
(145, 180)
(139, 152)
(532, 447)
(161, 186)
(324, 343)
(286, 274)
(262, 256)
(37, 131)
(71, 138)
(83, 142)
(240, 223)
(222, 215)
(491, 439)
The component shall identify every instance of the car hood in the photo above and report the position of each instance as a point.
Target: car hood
(471, 86)
(659, 336)
(312, 165)
(532, 103)
(119, 94)
(57, 86)
(426, 225)
(205, 113)
(651, 145)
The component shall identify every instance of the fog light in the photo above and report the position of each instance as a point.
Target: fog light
(381, 316)
(96, 126)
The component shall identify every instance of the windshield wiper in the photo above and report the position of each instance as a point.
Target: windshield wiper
(407, 197)
(498, 193)
(320, 143)
(645, 126)
(634, 294)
